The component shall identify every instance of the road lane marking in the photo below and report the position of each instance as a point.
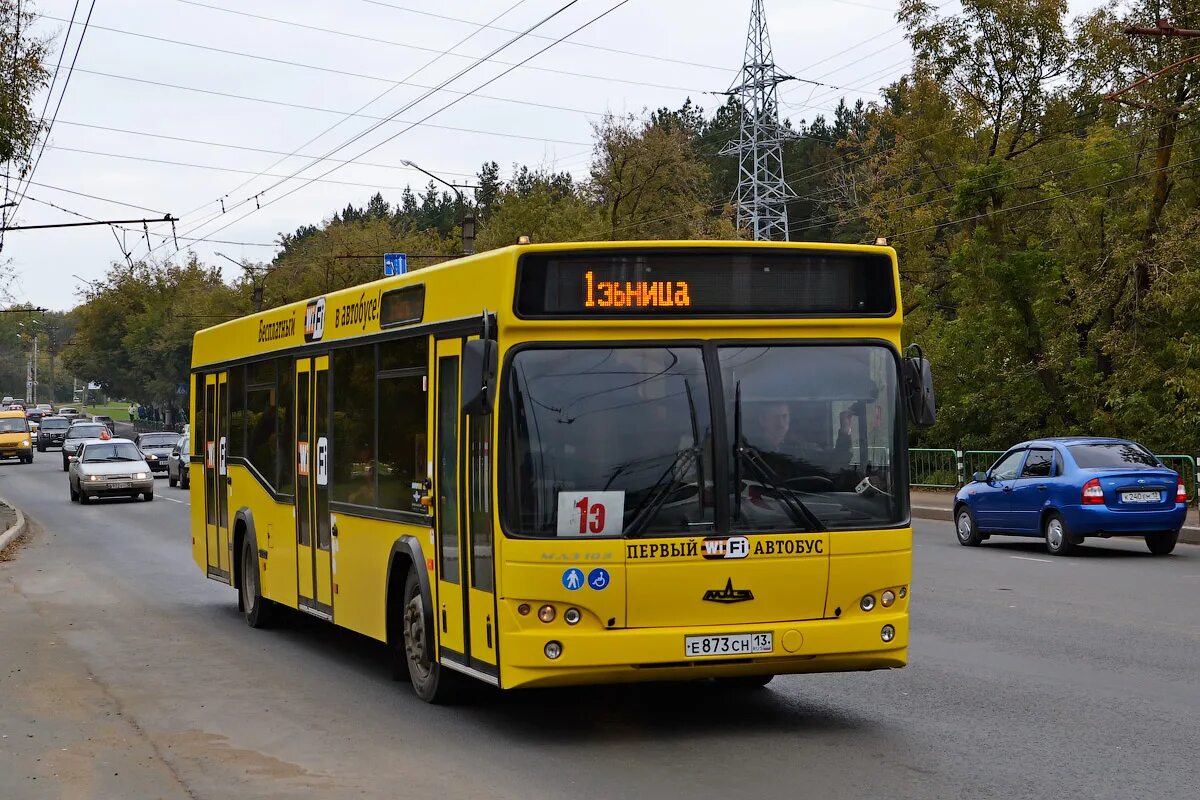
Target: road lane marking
(173, 500)
(1027, 558)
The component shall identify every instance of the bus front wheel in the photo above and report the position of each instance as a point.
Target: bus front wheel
(432, 682)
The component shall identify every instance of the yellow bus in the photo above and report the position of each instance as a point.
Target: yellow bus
(574, 463)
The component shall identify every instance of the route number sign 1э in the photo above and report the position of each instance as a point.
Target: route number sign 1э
(590, 513)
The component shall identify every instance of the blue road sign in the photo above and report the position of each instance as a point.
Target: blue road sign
(395, 264)
(598, 579)
(573, 579)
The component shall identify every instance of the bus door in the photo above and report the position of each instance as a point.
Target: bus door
(481, 576)
(466, 605)
(216, 476)
(314, 562)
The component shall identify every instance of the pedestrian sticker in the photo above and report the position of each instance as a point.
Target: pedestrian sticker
(573, 579)
(598, 579)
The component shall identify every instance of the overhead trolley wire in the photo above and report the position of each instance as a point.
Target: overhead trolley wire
(406, 106)
(453, 102)
(345, 117)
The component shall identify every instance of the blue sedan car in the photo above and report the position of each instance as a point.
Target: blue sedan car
(1065, 489)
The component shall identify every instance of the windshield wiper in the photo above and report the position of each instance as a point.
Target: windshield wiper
(661, 490)
(118, 458)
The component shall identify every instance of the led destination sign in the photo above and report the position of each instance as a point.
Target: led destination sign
(672, 283)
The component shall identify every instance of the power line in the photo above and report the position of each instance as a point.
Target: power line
(401, 110)
(603, 48)
(453, 102)
(149, 160)
(246, 148)
(66, 83)
(94, 197)
(346, 117)
(303, 107)
(86, 224)
(1039, 201)
(498, 62)
(332, 70)
(947, 193)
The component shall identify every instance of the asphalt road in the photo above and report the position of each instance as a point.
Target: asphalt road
(124, 673)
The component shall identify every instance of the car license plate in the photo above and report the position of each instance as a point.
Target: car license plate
(1141, 497)
(738, 644)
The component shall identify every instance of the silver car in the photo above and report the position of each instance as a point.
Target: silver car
(109, 468)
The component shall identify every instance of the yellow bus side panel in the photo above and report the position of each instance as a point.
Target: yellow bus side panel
(196, 498)
(275, 529)
(361, 552)
(862, 562)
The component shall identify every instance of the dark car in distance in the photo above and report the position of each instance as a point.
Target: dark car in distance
(108, 422)
(77, 434)
(156, 447)
(52, 432)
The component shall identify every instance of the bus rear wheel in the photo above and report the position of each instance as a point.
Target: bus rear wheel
(430, 680)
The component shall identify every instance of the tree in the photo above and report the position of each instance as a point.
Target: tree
(649, 181)
(22, 75)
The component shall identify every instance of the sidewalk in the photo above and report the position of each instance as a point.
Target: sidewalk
(937, 505)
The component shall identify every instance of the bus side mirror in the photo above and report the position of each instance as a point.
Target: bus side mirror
(479, 377)
(918, 389)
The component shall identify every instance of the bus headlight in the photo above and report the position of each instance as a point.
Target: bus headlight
(887, 633)
(887, 598)
(552, 650)
(571, 616)
(546, 613)
(867, 603)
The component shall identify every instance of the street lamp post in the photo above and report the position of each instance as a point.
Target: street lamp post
(466, 221)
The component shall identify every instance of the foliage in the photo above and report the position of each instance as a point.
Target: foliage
(134, 332)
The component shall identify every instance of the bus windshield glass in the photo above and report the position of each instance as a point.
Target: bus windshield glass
(627, 432)
(812, 431)
(13, 425)
(629, 422)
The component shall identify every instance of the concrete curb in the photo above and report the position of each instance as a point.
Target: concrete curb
(1189, 534)
(13, 533)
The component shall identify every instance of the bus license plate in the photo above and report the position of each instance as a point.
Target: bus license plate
(738, 644)
(1140, 497)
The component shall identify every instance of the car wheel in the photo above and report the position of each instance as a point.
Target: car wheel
(171, 480)
(41, 449)
(431, 682)
(260, 612)
(1058, 538)
(83, 498)
(74, 494)
(148, 496)
(966, 529)
(66, 464)
(1161, 544)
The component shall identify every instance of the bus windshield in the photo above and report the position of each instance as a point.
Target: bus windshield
(816, 428)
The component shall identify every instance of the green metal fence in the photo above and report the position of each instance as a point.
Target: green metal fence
(933, 468)
(978, 461)
(946, 468)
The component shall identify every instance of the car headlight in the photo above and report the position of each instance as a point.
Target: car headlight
(93, 477)
(151, 457)
(141, 476)
(25, 443)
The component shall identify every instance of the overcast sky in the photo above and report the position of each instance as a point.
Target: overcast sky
(347, 53)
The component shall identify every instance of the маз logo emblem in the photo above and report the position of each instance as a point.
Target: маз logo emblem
(728, 594)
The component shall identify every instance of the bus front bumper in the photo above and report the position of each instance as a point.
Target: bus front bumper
(657, 654)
